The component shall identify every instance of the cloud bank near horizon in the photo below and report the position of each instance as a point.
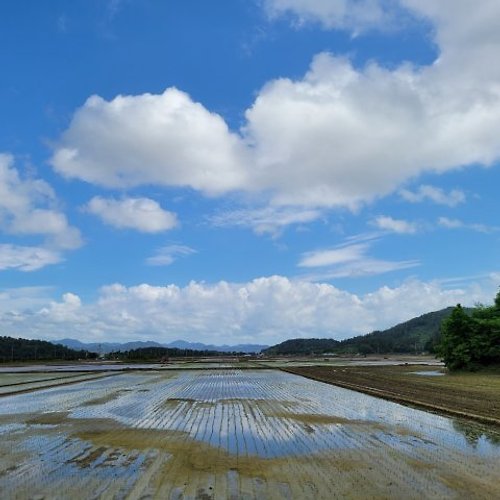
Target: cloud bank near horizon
(265, 310)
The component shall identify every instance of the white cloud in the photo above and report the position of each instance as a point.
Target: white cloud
(165, 256)
(349, 260)
(267, 220)
(16, 301)
(432, 193)
(450, 223)
(141, 214)
(24, 258)
(363, 267)
(28, 207)
(395, 225)
(357, 15)
(335, 256)
(63, 312)
(458, 224)
(264, 310)
(343, 136)
(165, 139)
(339, 136)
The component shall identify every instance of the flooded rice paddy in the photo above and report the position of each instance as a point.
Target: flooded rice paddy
(429, 373)
(234, 434)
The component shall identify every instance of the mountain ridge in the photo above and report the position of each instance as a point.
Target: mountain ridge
(413, 336)
(107, 347)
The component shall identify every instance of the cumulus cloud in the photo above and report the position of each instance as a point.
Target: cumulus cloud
(28, 207)
(65, 311)
(165, 139)
(395, 225)
(435, 194)
(166, 255)
(338, 136)
(349, 260)
(141, 214)
(265, 310)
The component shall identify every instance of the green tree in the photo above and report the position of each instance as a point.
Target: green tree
(486, 342)
(456, 333)
(471, 342)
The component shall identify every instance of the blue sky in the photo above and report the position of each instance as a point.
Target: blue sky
(245, 171)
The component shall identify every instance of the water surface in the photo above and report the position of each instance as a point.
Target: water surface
(259, 434)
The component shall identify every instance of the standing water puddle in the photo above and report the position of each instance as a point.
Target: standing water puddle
(429, 373)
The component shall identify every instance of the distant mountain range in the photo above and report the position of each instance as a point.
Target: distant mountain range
(106, 347)
(416, 335)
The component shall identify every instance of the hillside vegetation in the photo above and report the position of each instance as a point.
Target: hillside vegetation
(417, 335)
(12, 350)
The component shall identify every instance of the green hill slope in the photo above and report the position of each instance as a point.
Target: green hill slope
(414, 336)
(12, 350)
(303, 347)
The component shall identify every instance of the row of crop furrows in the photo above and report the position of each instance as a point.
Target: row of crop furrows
(236, 414)
(261, 415)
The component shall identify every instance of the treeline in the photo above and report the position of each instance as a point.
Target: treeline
(415, 336)
(162, 353)
(12, 350)
(471, 341)
(302, 347)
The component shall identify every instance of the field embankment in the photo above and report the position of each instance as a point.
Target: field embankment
(471, 395)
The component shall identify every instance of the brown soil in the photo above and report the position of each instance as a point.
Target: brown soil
(470, 395)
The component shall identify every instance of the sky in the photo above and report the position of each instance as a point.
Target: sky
(245, 171)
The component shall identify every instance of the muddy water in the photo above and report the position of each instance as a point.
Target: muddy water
(235, 434)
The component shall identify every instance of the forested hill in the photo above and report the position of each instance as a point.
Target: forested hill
(413, 336)
(12, 350)
(303, 346)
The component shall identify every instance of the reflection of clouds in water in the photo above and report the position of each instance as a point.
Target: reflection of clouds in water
(257, 413)
(240, 411)
(313, 430)
(57, 458)
(65, 398)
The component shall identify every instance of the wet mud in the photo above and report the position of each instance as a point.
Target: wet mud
(235, 434)
(474, 396)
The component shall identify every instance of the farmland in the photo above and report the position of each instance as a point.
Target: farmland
(473, 395)
(230, 433)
